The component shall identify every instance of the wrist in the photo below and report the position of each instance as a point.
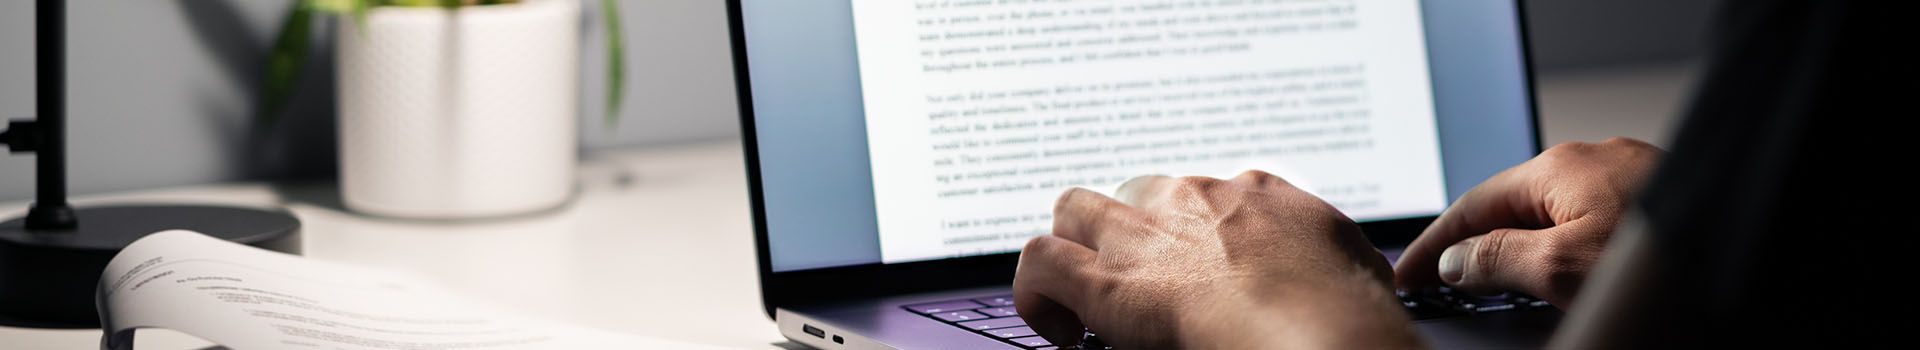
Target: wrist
(1338, 312)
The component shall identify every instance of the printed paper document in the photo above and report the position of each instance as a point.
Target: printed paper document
(244, 298)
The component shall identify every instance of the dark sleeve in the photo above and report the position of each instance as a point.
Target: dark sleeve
(1786, 209)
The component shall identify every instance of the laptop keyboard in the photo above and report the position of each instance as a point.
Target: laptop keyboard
(1445, 302)
(995, 317)
(989, 316)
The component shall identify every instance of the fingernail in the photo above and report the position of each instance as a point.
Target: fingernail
(1453, 261)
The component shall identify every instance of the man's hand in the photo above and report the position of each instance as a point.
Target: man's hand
(1250, 262)
(1536, 228)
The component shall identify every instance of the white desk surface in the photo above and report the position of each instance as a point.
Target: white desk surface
(669, 254)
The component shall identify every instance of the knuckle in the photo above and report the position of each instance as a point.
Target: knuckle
(1573, 146)
(1628, 142)
(1196, 186)
(1031, 255)
(1066, 202)
(1566, 149)
(1490, 251)
(1067, 196)
(1194, 181)
(1260, 178)
(1044, 257)
(1630, 146)
(1061, 202)
(1035, 246)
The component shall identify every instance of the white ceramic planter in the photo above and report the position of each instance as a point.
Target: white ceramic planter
(448, 114)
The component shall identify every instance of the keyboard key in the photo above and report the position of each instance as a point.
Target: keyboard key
(1015, 332)
(1520, 300)
(1492, 308)
(1501, 296)
(949, 306)
(1005, 300)
(994, 316)
(1031, 342)
(958, 316)
(987, 324)
(999, 311)
(1423, 307)
(1476, 304)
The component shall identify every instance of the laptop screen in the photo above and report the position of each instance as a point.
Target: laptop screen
(893, 131)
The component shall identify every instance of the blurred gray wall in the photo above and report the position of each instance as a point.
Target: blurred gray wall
(161, 91)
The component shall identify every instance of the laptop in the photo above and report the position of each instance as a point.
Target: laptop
(901, 152)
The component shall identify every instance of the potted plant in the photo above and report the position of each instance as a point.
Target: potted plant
(451, 109)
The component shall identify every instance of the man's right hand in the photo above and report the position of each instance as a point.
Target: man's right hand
(1197, 262)
(1537, 228)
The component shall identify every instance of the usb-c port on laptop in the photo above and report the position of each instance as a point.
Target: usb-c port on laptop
(816, 332)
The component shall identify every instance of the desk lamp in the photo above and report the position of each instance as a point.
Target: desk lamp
(51, 260)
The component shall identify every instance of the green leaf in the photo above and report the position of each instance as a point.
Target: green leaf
(332, 6)
(284, 64)
(360, 8)
(616, 64)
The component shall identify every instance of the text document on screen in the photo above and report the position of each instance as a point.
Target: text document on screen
(980, 113)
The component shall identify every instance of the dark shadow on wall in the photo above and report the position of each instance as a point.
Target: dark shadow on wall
(301, 145)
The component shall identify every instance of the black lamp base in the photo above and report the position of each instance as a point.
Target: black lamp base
(47, 278)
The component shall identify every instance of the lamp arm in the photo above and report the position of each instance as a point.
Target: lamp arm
(20, 136)
(46, 134)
